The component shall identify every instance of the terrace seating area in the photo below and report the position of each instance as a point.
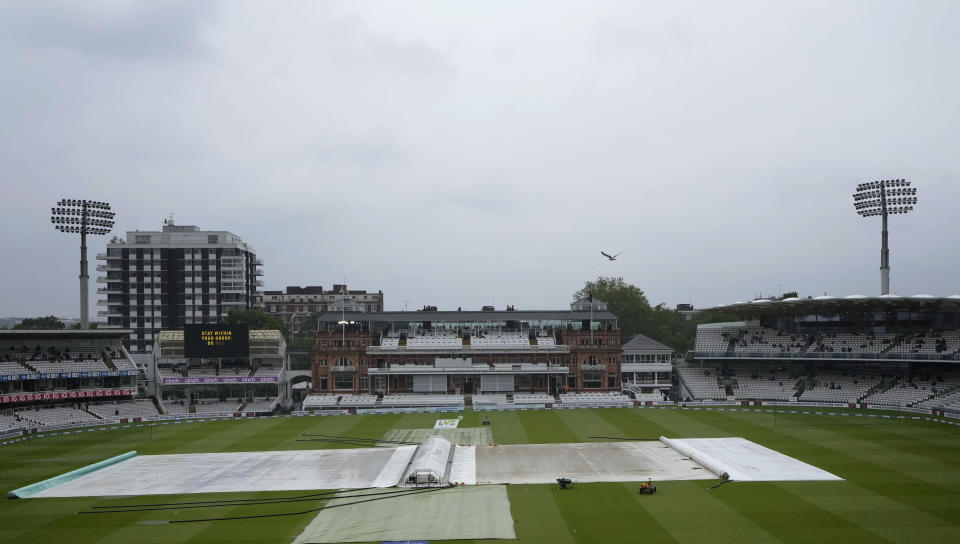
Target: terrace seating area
(648, 397)
(637, 390)
(948, 400)
(500, 339)
(713, 339)
(8, 368)
(124, 364)
(166, 372)
(358, 401)
(595, 399)
(8, 422)
(390, 342)
(702, 383)
(904, 392)
(932, 343)
(124, 409)
(434, 340)
(263, 405)
(400, 400)
(267, 371)
(760, 384)
(747, 340)
(51, 356)
(546, 341)
(854, 344)
(61, 415)
(533, 398)
(764, 340)
(217, 407)
(489, 400)
(57, 367)
(175, 406)
(321, 401)
(196, 372)
(840, 387)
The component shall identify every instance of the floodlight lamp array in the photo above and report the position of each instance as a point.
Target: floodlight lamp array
(84, 203)
(82, 216)
(890, 196)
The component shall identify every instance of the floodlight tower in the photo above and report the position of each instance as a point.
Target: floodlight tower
(889, 196)
(82, 217)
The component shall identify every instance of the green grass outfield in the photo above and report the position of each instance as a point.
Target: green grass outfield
(902, 481)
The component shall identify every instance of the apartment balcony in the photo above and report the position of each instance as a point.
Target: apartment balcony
(108, 291)
(110, 313)
(101, 256)
(258, 262)
(258, 283)
(257, 271)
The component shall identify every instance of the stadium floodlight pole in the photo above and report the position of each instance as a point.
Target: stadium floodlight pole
(889, 196)
(82, 217)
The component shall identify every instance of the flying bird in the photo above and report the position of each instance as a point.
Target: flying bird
(610, 257)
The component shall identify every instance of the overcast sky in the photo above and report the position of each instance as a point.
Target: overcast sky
(459, 153)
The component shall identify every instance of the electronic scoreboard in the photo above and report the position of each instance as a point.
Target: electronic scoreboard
(216, 341)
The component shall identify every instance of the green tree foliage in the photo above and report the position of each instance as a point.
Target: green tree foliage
(635, 315)
(626, 301)
(49, 322)
(76, 326)
(789, 294)
(257, 319)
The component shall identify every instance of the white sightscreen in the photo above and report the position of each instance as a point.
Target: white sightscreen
(430, 384)
(497, 382)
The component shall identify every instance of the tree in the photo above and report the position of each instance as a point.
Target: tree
(257, 319)
(789, 294)
(49, 322)
(626, 301)
(76, 326)
(636, 316)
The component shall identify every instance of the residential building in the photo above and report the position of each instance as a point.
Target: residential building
(162, 280)
(296, 304)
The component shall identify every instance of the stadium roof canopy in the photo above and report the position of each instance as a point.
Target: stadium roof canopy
(64, 333)
(827, 305)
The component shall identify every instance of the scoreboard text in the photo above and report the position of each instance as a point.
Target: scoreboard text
(214, 341)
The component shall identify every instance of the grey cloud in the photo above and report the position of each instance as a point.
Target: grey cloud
(371, 149)
(350, 43)
(112, 30)
(453, 153)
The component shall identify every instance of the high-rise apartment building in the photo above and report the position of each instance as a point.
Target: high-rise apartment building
(161, 280)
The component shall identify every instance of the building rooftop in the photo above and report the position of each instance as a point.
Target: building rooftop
(460, 316)
(639, 342)
(827, 305)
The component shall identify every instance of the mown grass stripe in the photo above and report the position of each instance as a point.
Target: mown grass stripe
(791, 518)
(686, 508)
(607, 512)
(819, 450)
